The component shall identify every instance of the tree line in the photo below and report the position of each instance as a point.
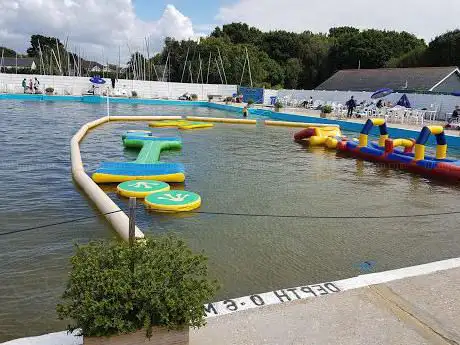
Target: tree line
(275, 59)
(281, 59)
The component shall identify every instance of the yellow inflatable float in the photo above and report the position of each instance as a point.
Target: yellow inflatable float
(181, 124)
(173, 201)
(141, 188)
(317, 136)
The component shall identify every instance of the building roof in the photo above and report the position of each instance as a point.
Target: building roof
(22, 62)
(421, 79)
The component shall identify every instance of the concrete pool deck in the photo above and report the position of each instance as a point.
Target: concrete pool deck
(316, 114)
(418, 310)
(411, 306)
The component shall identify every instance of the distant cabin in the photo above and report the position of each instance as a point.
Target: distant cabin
(422, 79)
(103, 68)
(21, 63)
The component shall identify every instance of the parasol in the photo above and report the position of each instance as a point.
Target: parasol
(404, 101)
(381, 93)
(97, 80)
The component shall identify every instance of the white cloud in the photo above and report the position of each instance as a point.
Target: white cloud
(94, 26)
(424, 18)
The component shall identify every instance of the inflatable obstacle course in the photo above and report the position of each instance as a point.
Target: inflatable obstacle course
(147, 165)
(173, 201)
(181, 124)
(386, 151)
(140, 189)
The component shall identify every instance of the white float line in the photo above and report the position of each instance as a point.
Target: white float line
(230, 306)
(117, 218)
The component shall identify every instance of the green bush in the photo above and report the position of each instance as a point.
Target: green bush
(327, 109)
(210, 98)
(228, 99)
(134, 94)
(250, 101)
(194, 96)
(278, 105)
(168, 287)
(49, 90)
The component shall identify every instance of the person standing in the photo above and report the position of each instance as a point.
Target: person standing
(113, 82)
(245, 111)
(24, 85)
(455, 115)
(351, 105)
(31, 85)
(36, 85)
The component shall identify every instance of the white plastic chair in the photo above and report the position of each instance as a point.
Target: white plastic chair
(398, 115)
(416, 116)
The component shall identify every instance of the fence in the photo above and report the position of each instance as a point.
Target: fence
(441, 103)
(11, 83)
(62, 85)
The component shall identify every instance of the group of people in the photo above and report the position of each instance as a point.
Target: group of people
(381, 103)
(308, 103)
(33, 86)
(351, 104)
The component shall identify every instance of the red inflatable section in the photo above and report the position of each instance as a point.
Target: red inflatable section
(305, 134)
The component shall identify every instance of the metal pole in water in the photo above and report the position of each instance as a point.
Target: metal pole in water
(249, 65)
(132, 220)
(108, 107)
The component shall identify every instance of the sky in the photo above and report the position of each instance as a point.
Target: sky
(99, 27)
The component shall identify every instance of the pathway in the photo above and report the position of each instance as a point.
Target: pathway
(418, 310)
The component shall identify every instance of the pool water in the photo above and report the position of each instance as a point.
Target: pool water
(253, 170)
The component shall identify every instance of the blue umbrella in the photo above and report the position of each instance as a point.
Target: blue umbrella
(456, 93)
(381, 93)
(97, 80)
(404, 101)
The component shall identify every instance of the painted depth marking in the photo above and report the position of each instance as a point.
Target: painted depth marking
(273, 297)
(310, 291)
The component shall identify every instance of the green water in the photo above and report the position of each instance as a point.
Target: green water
(235, 169)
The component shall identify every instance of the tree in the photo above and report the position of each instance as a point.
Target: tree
(293, 69)
(414, 58)
(45, 43)
(444, 50)
(239, 33)
(137, 64)
(342, 30)
(7, 52)
(51, 51)
(369, 48)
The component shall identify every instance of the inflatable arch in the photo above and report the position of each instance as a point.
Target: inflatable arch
(441, 143)
(364, 136)
(390, 145)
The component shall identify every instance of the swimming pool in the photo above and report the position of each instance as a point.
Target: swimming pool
(236, 169)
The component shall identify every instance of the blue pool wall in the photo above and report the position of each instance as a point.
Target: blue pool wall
(453, 141)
